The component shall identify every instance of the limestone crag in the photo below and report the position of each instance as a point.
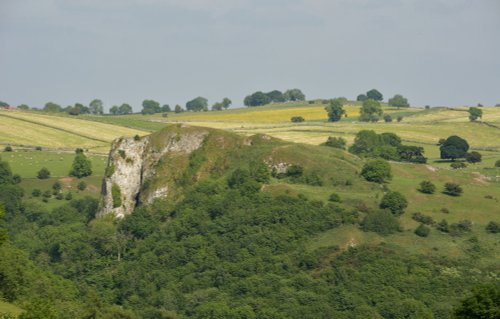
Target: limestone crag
(132, 174)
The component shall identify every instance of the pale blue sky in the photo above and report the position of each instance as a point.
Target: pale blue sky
(437, 52)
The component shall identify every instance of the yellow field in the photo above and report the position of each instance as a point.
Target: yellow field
(33, 129)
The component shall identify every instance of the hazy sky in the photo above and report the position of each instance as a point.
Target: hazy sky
(437, 52)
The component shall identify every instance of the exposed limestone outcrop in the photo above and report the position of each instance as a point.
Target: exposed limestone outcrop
(134, 168)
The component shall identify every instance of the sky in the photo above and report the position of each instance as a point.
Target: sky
(434, 52)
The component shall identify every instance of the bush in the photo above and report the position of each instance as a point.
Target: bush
(424, 219)
(443, 226)
(7, 148)
(137, 138)
(36, 192)
(497, 163)
(38, 148)
(47, 194)
(458, 165)
(387, 118)
(297, 119)
(452, 189)
(395, 202)
(336, 142)
(57, 186)
(82, 166)
(43, 173)
(378, 171)
(68, 196)
(81, 186)
(427, 187)
(493, 227)
(59, 196)
(334, 197)
(399, 119)
(16, 178)
(473, 157)
(422, 231)
(463, 226)
(382, 222)
(295, 171)
(116, 194)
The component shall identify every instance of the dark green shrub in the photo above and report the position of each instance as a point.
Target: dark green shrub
(8, 148)
(336, 142)
(378, 171)
(57, 186)
(68, 196)
(427, 187)
(381, 221)
(443, 226)
(452, 189)
(294, 171)
(116, 194)
(36, 192)
(473, 157)
(59, 196)
(497, 163)
(47, 194)
(334, 197)
(81, 186)
(137, 138)
(422, 231)
(493, 227)
(395, 202)
(16, 178)
(313, 179)
(122, 153)
(43, 173)
(110, 170)
(297, 119)
(38, 148)
(399, 119)
(424, 219)
(387, 118)
(458, 165)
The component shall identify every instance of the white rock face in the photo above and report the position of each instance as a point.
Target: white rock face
(127, 175)
(132, 162)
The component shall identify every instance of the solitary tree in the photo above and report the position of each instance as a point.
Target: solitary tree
(150, 107)
(81, 165)
(178, 109)
(43, 173)
(335, 110)
(370, 111)
(374, 95)
(427, 187)
(217, 106)
(125, 109)
(96, 107)
(378, 171)
(452, 189)
(226, 103)
(398, 101)
(453, 147)
(395, 202)
(197, 104)
(475, 113)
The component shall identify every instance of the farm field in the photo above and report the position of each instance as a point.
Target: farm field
(10, 309)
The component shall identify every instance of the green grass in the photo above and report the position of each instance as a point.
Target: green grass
(8, 308)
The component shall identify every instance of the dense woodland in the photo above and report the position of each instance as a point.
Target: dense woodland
(227, 250)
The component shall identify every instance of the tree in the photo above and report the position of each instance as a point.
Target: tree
(335, 110)
(373, 94)
(125, 109)
(217, 106)
(4, 104)
(484, 303)
(197, 104)
(493, 227)
(82, 166)
(81, 186)
(226, 103)
(361, 97)
(43, 173)
(387, 118)
(7, 148)
(256, 99)
(52, 107)
(294, 95)
(475, 113)
(453, 147)
(452, 189)
(395, 202)
(166, 108)
(371, 110)
(473, 157)
(378, 171)
(150, 107)
(398, 101)
(276, 96)
(23, 107)
(114, 110)
(427, 187)
(178, 109)
(96, 107)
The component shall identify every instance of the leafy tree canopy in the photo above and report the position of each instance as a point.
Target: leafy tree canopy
(398, 101)
(197, 104)
(453, 147)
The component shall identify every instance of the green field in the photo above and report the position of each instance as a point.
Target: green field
(9, 309)
(420, 127)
